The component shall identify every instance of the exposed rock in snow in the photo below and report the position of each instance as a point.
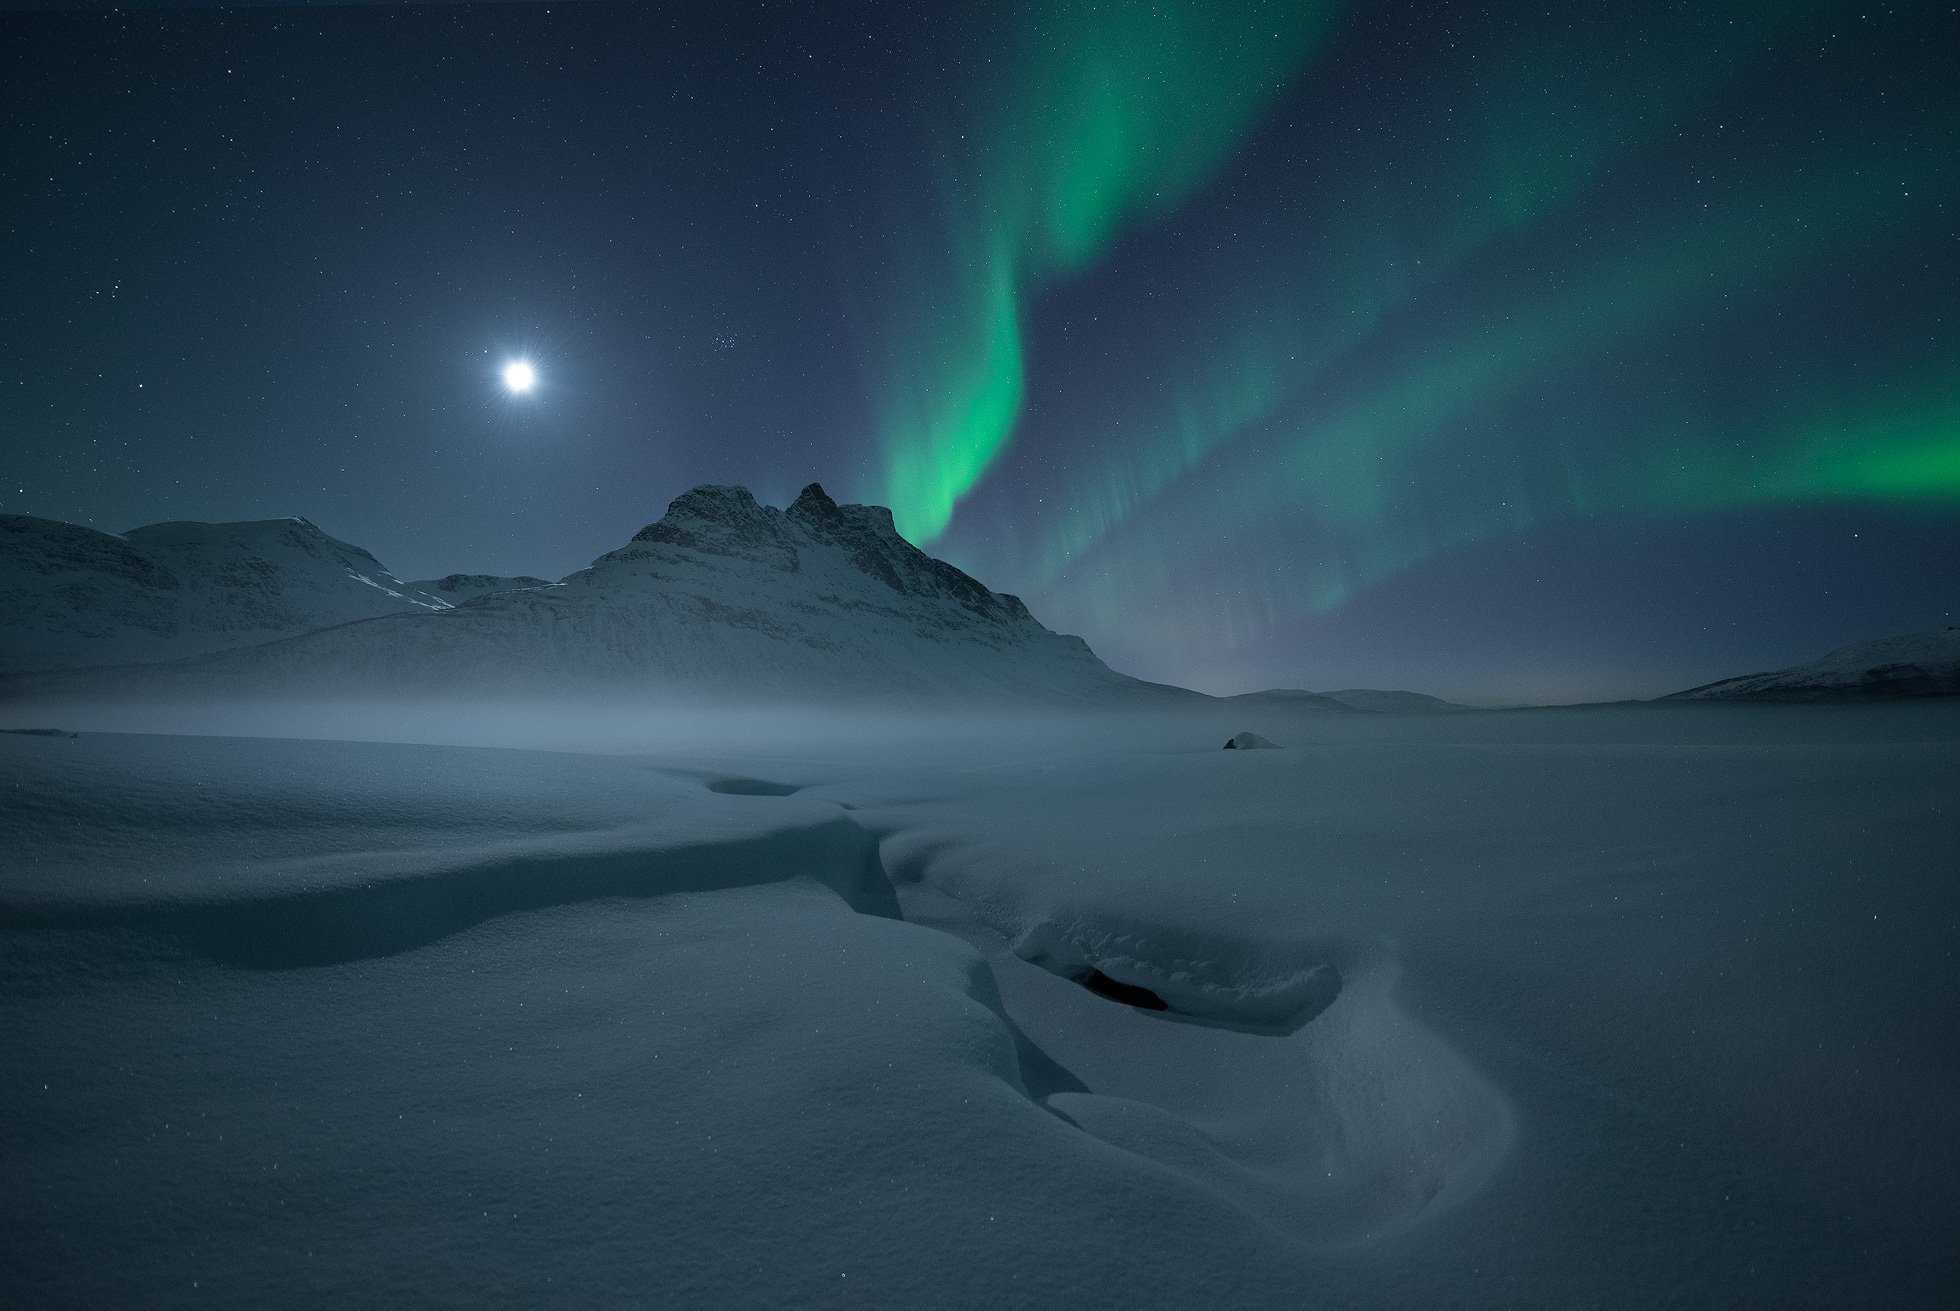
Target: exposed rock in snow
(1250, 742)
(1916, 664)
(76, 597)
(458, 588)
(721, 596)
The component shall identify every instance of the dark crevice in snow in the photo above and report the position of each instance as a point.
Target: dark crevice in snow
(1109, 961)
(751, 787)
(1127, 993)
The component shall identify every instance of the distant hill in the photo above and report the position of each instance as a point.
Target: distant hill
(458, 588)
(76, 597)
(1395, 703)
(1912, 665)
(1364, 699)
(1287, 698)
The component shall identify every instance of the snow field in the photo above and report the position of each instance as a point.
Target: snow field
(1602, 1008)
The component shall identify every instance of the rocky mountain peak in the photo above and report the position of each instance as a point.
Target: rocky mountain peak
(871, 538)
(728, 522)
(812, 504)
(722, 520)
(814, 510)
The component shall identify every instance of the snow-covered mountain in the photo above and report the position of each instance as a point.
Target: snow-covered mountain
(1916, 664)
(721, 597)
(458, 588)
(75, 597)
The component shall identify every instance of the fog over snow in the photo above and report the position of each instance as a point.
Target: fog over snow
(1576, 1007)
(771, 914)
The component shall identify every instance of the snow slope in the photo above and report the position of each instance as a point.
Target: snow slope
(458, 588)
(1447, 1018)
(1916, 664)
(73, 596)
(721, 597)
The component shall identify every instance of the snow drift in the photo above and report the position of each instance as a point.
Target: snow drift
(1634, 1006)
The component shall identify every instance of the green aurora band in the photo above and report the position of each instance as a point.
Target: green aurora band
(1444, 450)
(1523, 162)
(1344, 391)
(1108, 115)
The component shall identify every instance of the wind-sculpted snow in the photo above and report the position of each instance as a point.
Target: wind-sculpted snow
(281, 856)
(1478, 1010)
(1211, 983)
(74, 597)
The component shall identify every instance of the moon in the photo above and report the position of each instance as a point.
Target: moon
(519, 377)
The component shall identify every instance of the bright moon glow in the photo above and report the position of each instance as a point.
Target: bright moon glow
(519, 376)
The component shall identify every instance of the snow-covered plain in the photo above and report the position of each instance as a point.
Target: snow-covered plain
(1608, 1007)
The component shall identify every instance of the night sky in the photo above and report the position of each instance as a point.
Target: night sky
(1503, 351)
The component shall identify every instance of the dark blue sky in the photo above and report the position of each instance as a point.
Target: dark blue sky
(1504, 355)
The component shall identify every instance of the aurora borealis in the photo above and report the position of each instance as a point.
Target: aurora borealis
(1476, 348)
(1575, 277)
(1105, 117)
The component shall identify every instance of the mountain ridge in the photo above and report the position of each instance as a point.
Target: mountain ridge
(719, 596)
(79, 597)
(1886, 668)
(458, 588)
